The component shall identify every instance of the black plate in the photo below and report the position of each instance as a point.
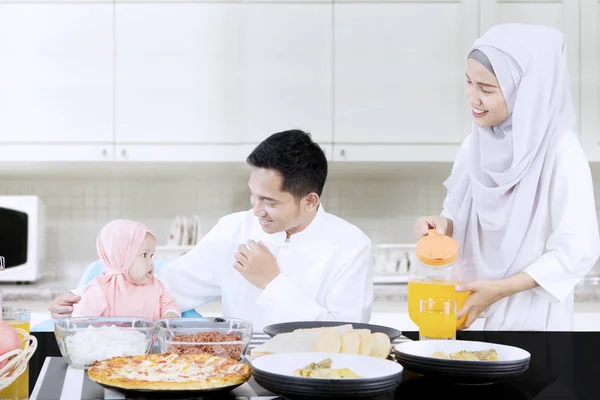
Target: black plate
(460, 375)
(476, 366)
(286, 327)
(302, 388)
(174, 394)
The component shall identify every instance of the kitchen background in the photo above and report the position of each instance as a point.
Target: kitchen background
(147, 109)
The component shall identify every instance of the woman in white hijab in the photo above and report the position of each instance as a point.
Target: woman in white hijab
(520, 199)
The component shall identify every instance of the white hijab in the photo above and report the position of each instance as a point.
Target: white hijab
(495, 195)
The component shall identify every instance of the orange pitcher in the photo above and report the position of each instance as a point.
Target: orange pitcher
(435, 274)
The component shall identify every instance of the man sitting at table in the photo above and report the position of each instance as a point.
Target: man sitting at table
(286, 259)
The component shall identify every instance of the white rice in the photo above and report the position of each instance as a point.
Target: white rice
(97, 344)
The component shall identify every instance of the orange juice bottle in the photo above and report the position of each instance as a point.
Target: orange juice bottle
(435, 275)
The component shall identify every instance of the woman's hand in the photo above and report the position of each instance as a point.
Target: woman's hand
(437, 222)
(483, 294)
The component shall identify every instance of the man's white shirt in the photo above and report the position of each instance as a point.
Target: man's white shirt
(326, 272)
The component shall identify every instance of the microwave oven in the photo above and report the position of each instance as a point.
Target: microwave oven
(22, 238)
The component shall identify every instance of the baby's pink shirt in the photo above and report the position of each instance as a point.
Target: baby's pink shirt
(152, 301)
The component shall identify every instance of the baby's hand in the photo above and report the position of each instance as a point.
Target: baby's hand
(171, 315)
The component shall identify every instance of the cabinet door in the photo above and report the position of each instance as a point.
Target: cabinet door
(561, 14)
(398, 71)
(287, 69)
(590, 78)
(56, 73)
(177, 73)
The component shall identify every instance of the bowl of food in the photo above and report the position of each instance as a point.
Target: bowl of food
(222, 337)
(85, 340)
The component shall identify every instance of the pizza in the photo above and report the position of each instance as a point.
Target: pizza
(170, 372)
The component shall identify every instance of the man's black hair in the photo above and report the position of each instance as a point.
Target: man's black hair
(300, 161)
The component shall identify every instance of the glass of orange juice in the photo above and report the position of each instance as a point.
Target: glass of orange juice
(18, 318)
(437, 319)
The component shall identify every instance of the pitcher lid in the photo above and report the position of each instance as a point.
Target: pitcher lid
(437, 250)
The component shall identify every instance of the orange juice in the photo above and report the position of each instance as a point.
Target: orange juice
(19, 324)
(19, 389)
(425, 288)
(436, 324)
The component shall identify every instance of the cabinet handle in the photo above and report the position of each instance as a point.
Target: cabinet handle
(104, 152)
(124, 153)
(343, 153)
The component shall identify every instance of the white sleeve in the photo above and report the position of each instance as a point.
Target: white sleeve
(349, 299)
(195, 277)
(574, 245)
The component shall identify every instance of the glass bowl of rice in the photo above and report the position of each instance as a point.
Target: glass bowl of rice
(85, 340)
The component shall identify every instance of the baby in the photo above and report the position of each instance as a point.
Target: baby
(127, 287)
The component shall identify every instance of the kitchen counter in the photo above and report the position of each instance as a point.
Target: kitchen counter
(588, 291)
(563, 365)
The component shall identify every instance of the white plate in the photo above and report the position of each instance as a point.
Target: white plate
(366, 366)
(426, 348)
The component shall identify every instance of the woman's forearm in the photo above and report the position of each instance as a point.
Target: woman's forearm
(517, 283)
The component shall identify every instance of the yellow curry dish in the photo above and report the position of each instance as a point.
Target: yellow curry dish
(482, 355)
(323, 369)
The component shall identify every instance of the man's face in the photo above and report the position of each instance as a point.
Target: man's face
(277, 211)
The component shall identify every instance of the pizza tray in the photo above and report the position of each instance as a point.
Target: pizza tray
(221, 393)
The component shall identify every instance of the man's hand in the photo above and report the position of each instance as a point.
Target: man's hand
(256, 263)
(62, 306)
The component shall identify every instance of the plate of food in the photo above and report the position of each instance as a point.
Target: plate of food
(348, 339)
(471, 360)
(287, 327)
(326, 375)
(170, 375)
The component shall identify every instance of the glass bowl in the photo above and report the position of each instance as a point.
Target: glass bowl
(222, 337)
(84, 340)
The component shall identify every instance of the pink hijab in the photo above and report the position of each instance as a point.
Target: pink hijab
(118, 244)
(114, 293)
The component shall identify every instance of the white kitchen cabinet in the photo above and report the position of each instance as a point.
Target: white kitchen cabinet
(561, 14)
(177, 75)
(286, 69)
(54, 152)
(56, 80)
(398, 86)
(590, 78)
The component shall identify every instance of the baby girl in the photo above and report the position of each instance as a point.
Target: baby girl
(127, 287)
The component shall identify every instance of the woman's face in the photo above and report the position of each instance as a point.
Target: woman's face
(484, 95)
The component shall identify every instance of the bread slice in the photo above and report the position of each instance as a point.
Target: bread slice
(365, 341)
(350, 342)
(329, 341)
(298, 341)
(381, 345)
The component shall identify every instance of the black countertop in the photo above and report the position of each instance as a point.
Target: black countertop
(563, 366)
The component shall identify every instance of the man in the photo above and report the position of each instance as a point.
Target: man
(284, 260)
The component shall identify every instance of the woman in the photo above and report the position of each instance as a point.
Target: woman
(520, 199)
